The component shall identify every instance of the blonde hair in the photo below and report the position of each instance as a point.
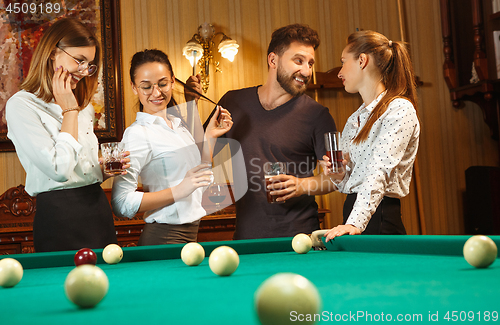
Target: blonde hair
(393, 62)
(67, 32)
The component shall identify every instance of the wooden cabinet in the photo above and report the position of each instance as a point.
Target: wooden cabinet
(470, 66)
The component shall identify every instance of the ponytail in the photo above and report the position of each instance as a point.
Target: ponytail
(396, 70)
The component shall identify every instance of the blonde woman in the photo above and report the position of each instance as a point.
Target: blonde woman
(50, 122)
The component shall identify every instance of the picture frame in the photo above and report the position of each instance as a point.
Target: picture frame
(109, 123)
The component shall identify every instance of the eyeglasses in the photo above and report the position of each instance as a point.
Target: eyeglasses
(82, 65)
(147, 88)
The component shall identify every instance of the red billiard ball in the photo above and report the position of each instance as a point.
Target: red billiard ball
(85, 256)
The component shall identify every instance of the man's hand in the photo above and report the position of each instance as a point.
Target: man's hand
(195, 83)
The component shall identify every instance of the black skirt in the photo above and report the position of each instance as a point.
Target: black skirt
(385, 221)
(71, 219)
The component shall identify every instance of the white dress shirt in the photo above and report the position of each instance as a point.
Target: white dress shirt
(381, 165)
(52, 159)
(161, 156)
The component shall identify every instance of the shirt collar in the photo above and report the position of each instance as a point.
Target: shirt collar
(146, 118)
(374, 103)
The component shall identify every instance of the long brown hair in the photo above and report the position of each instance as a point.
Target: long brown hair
(393, 62)
(67, 32)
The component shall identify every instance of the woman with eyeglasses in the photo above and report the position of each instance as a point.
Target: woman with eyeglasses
(50, 122)
(164, 155)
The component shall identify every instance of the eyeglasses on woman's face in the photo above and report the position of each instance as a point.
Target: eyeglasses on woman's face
(82, 65)
(147, 87)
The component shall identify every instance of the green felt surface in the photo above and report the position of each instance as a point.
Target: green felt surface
(406, 275)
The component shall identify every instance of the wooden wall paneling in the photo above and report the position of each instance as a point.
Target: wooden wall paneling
(430, 107)
(12, 170)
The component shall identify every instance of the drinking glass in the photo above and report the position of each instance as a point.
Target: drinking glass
(334, 151)
(273, 169)
(217, 194)
(112, 154)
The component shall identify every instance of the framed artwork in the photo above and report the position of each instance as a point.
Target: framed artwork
(21, 26)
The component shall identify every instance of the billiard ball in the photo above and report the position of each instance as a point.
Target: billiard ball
(480, 251)
(85, 256)
(11, 272)
(192, 254)
(283, 293)
(86, 285)
(112, 254)
(223, 260)
(301, 243)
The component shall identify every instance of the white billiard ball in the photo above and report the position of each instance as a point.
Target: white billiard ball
(301, 243)
(192, 254)
(480, 251)
(86, 285)
(283, 293)
(11, 272)
(223, 260)
(112, 254)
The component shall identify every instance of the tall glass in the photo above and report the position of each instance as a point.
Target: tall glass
(273, 169)
(334, 151)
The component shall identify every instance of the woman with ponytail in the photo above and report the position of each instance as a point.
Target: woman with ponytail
(380, 138)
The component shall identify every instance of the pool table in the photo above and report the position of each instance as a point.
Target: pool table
(360, 278)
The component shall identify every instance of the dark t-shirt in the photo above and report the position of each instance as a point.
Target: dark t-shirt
(292, 133)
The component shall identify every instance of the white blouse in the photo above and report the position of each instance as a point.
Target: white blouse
(52, 159)
(161, 156)
(382, 165)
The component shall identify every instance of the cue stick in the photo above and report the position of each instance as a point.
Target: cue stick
(194, 62)
(195, 91)
(231, 194)
(416, 170)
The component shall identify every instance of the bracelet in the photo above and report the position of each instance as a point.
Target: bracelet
(76, 108)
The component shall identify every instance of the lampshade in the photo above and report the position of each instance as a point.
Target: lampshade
(228, 48)
(199, 50)
(193, 51)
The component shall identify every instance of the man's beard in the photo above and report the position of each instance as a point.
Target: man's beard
(287, 82)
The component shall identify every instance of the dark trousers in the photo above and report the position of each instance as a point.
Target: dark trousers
(164, 233)
(71, 219)
(385, 221)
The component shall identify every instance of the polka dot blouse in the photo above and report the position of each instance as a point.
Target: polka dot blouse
(381, 165)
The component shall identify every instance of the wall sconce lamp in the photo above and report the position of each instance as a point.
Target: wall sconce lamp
(198, 50)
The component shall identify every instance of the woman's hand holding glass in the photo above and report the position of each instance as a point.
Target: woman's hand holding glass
(125, 161)
(200, 176)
